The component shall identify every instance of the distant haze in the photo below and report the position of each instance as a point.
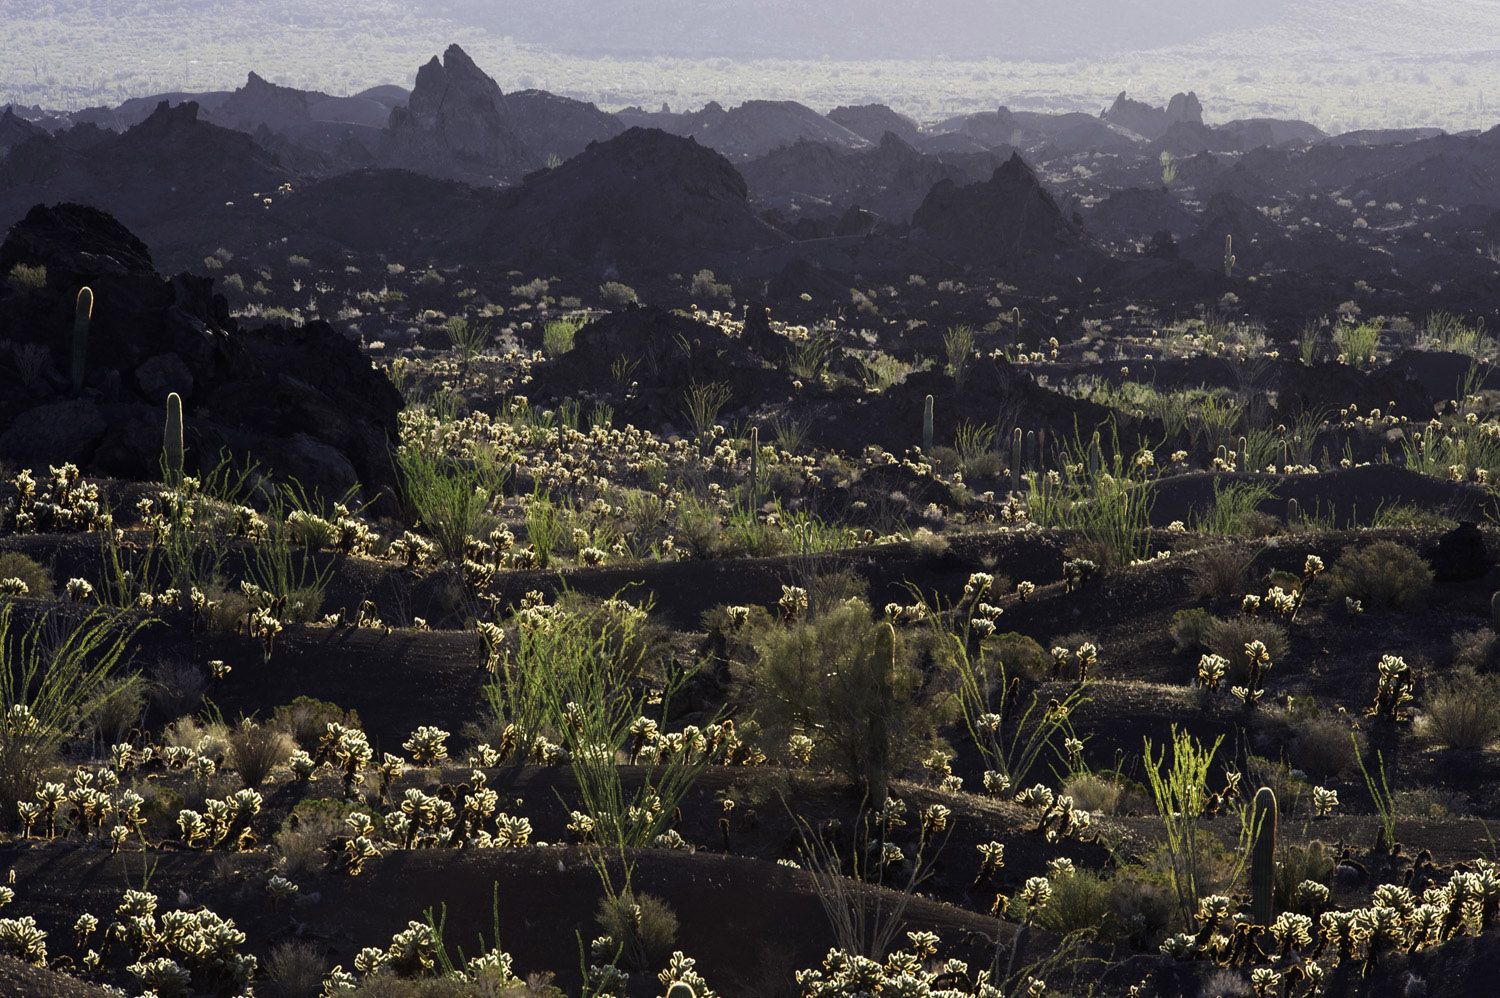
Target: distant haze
(1339, 63)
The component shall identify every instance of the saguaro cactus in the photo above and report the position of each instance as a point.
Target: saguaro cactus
(83, 314)
(1293, 512)
(881, 669)
(1263, 857)
(1229, 256)
(927, 424)
(1495, 613)
(754, 464)
(680, 990)
(1017, 459)
(171, 445)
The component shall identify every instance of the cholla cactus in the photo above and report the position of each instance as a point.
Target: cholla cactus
(21, 939)
(1258, 663)
(1325, 801)
(1394, 690)
(1035, 894)
(426, 745)
(1025, 589)
(991, 859)
(793, 602)
(281, 890)
(14, 587)
(1077, 572)
(79, 590)
(1211, 671)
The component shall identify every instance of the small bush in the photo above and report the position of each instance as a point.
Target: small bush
(255, 750)
(1229, 637)
(23, 277)
(708, 288)
(1021, 654)
(1220, 573)
(1477, 651)
(1463, 712)
(1299, 862)
(296, 968)
(642, 924)
(121, 710)
(1189, 629)
(1094, 792)
(15, 565)
(618, 295)
(1080, 900)
(1383, 574)
(176, 688)
(307, 718)
(304, 834)
(558, 336)
(1321, 746)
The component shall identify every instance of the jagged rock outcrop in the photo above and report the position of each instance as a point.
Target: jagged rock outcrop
(303, 402)
(1003, 220)
(752, 129)
(1150, 122)
(456, 123)
(549, 125)
(643, 201)
(14, 130)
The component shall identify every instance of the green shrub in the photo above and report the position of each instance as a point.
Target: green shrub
(1189, 629)
(1022, 654)
(307, 718)
(1320, 745)
(1080, 900)
(558, 336)
(618, 295)
(811, 676)
(642, 925)
(1382, 574)
(15, 565)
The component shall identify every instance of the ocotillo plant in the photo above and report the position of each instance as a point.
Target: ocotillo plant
(171, 445)
(754, 464)
(83, 314)
(881, 666)
(1263, 857)
(927, 424)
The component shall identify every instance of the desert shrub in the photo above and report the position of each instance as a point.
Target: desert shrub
(15, 565)
(642, 925)
(1463, 711)
(303, 836)
(23, 277)
(1382, 574)
(1189, 629)
(255, 750)
(707, 287)
(618, 295)
(558, 336)
(1320, 745)
(120, 710)
(450, 498)
(1477, 650)
(1094, 792)
(1143, 905)
(296, 968)
(1229, 637)
(1080, 900)
(812, 676)
(307, 718)
(210, 739)
(1297, 862)
(176, 687)
(1021, 654)
(1220, 572)
(1432, 803)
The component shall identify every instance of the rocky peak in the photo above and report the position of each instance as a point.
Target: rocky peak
(456, 120)
(1004, 219)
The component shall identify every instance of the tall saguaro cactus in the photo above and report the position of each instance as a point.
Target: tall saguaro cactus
(171, 446)
(881, 670)
(1263, 857)
(927, 424)
(1229, 258)
(83, 314)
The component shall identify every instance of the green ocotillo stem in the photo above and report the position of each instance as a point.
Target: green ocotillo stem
(754, 461)
(172, 449)
(83, 314)
(882, 669)
(927, 424)
(1263, 857)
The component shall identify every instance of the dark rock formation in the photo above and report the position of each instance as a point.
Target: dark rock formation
(874, 121)
(1002, 220)
(1151, 123)
(457, 123)
(301, 402)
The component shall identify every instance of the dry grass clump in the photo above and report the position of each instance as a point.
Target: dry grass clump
(255, 750)
(1221, 572)
(1463, 712)
(296, 968)
(1383, 574)
(38, 581)
(642, 925)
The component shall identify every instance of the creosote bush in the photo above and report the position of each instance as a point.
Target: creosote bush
(1463, 711)
(36, 578)
(1382, 574)
(643, 925)
(810, 676)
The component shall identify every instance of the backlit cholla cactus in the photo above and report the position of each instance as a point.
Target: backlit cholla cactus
(427, 745)
(1325, 801)
(991, 859)
(1394, 690)
(1211, 672)
(793, 602)
(1258, 663)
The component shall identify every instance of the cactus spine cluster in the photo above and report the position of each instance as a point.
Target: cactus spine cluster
(83, 314)
(1263, 857)
(927, 424)
(172, 449)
